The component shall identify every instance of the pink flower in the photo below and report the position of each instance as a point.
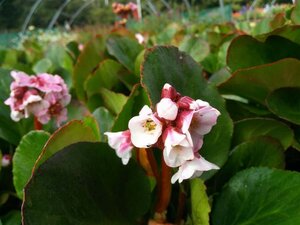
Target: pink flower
(192, 169)
(121, 143)
(45, 96)
(145, 128)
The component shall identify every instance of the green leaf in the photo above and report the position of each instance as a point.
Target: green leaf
(106, 76)
(285, 103)
(195, 47)
(220, 76)
(72, 132)
(259, 196)
(200, 202)
(86, 183)
(124, 49)
(91, 122)
(26, 154)
(168, 65)
(42, 66)
(104, 119)
(12, 218)
(137, 99)
(262, 151)
(296, 13)
(113, 101)
(257, 83)
(248, 129)
(254, 52)
(87, 61)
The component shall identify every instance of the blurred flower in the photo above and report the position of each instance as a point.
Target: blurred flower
(6, 160)
(45, 96)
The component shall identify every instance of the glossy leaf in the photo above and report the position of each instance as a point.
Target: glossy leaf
(96, 189)
(259, 196)
(200, 202)
(73, 132)
(285, 103)
(254, 53)
(248, 129)
(262, 151)
(168, 65)
(26, 154)
(87, 61)
(257, 83)
(124, 49)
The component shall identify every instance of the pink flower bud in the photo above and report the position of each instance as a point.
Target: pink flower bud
(6, 160)
(167, 109)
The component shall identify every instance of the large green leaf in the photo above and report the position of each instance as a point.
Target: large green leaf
(26, 154)
(11, 218)
(105, 76)
(87, 61)
(248, 129)
(125, 50)
(285, 103)
(259, 196)
(200, 203)
(257, 83)
(254, 53)
(72, 132)
(86, 183)
(262, 151)
(169, 65)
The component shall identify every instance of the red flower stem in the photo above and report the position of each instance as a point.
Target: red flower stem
(180, 207)
(153, 164)
(37, 124)
(164, 192)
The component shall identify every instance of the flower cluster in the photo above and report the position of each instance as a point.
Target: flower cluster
(125, 10)
(177, 127)
(44, 96)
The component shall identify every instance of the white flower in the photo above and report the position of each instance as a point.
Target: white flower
(145, 128)
(192, 169)
(178, 147)
(121, 143)
(167, 109)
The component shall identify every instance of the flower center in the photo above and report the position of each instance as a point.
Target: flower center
(55, 109)
(149, 125)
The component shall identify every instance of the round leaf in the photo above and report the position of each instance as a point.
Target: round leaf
(169, 65)
(86, 183)
(263, 151)
(285, 103)
(259, 196)
(26, 154)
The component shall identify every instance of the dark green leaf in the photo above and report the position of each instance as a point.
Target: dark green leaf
(259, 196)
(86, 184)
(262, 151)
(248, 129)
(285, 103)
(257, 83)
(12, 218)
(104, 119)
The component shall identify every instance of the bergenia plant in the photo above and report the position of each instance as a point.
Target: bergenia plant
(44, 96)
(177, 127)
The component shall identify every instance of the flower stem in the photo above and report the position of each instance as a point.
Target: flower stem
(153, 164)
(164, 193)
(37, 124)
(143, 160)
(180, 207)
